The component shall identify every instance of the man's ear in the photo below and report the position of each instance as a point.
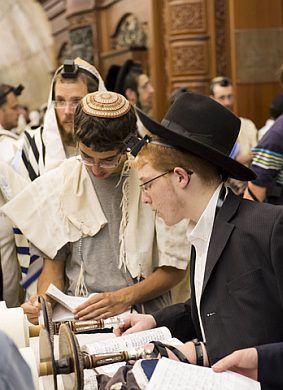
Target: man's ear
(182, 176)
(131, 95)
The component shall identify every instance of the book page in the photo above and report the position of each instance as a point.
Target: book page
(68, 301)
(127, 342)
(173, 375)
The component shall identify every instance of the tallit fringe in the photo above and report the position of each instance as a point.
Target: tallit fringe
(125, 215)
(81, 289)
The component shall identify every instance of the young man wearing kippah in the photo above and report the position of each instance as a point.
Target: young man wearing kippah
(87, 219)
(236, 262)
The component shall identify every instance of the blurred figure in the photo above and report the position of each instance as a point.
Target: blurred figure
(10, 184)
(135, 85)
(221, 90)
(177, 93)
(9, 115)
(275, 110)
(23, 119)
(34, 119)
(15, 374)
(130, 80)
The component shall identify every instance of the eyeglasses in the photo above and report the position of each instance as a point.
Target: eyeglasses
(145, 187)
(111, 162)
(63, 103)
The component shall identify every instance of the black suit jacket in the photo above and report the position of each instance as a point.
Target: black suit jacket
(270, 366)
(242, 296)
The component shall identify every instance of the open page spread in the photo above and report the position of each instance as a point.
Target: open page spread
(135, 340)
(172, 375)
(65, 303)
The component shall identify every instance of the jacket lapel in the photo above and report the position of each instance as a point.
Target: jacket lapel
(221, 232)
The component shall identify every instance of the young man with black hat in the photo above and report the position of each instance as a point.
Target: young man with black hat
(236, 271)
(87, 220)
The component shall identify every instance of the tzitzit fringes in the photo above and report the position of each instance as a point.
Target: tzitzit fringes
(81, 288)
(125, 214)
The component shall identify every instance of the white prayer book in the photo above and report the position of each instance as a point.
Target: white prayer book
(65, 303)
(134, 340)
(173, 375)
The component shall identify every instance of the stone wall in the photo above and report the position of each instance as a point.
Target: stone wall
(26, 47)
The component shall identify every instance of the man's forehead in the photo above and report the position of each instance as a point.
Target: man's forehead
(92, 153)
(143, 79)
(219, 90)
(77, 88)
(12, 99)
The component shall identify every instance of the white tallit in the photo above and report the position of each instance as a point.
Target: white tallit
(62, 206)
(47, 140)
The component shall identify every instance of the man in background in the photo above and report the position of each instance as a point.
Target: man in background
(221, 90)
(46, 147)
(9, 115)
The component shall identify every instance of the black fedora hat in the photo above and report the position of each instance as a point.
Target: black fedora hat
(199, 125)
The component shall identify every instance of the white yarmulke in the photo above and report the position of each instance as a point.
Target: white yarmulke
(105, 104)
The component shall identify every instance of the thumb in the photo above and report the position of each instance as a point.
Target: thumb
(225, 363)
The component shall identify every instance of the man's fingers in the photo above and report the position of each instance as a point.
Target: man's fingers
(226, 363)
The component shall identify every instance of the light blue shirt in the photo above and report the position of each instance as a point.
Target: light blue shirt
(15, 374)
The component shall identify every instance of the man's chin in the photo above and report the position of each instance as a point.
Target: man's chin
(68, 128)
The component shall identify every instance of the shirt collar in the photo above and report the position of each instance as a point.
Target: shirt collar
(202, 230)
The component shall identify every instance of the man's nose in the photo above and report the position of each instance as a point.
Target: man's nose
(146, 198)
(150, 89)
(69, 108)
(95, 168)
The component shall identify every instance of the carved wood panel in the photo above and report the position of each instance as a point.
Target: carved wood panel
(221, 44)
(189, 58)
(186, 17)
(187, 44)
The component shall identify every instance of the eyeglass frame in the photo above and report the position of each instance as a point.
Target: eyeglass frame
(145, 190)
(63, 103)
(92, 164)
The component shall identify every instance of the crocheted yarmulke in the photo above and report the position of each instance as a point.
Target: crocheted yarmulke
(105, 104)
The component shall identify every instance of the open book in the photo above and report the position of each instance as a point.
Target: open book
(126, 343)
(173, 375)
(65, 303)
(134, 340)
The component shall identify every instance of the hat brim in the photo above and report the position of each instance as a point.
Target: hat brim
(233, 168)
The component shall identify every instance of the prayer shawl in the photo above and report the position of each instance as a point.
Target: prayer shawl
(70, 209)
(42, 149)
(12, 184)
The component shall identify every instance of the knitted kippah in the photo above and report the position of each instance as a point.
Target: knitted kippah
(105, 104)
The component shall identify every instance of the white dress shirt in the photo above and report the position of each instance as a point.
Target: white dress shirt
(199, 236)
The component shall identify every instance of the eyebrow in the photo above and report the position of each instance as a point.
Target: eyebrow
(105, 158)
(72, 97)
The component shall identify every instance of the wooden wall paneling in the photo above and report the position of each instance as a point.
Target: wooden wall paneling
(157, 57)
(189, 49)
(109, 16)
(256, 53)
(221, 48)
